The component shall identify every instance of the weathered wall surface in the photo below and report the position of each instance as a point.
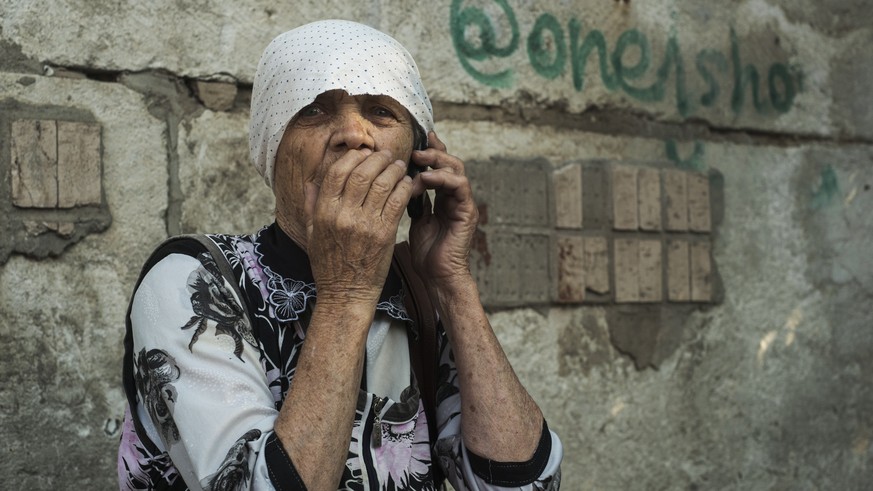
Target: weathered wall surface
(677, 194)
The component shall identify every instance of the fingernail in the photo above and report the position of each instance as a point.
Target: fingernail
(366, 151)
(406, 178)
(400, 163)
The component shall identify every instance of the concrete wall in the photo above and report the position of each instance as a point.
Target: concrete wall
(739, 360)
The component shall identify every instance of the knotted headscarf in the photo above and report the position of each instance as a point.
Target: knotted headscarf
(312, 59)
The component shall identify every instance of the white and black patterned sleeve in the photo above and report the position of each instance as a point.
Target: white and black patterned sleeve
(202, 392)
(468, 471)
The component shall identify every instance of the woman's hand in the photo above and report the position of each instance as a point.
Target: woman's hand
(352, 222)
(441, 238)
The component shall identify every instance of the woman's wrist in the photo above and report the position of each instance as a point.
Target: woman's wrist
(454, 289)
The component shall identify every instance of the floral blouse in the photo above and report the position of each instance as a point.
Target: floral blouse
(206, 373)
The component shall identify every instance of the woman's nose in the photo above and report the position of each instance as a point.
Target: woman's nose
(353, 131)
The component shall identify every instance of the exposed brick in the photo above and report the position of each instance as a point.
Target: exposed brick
(701, 272)
(532, 260)
(518, 271)
(78, 164)
(678, 286)
(518, 194)
(503, 271)
(217, 96)
(624, 197)
(571, 274)
(34, 164)
(698, 203)
(650, 271)
(627, 270)
(568, 196)
(676, 200)
(594, 198)
(596, 265)
(649, 193)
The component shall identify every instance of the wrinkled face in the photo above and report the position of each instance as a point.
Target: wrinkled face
(324, 131)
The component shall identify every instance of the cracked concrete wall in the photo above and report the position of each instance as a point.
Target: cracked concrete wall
(765, 387)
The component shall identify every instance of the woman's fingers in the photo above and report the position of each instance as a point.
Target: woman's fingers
(363, 176)
(336, 176)
(435, 157)
(433, 141)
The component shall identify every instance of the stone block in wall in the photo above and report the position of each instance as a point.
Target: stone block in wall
(568, 196)
(512, 192)
(624, 198)
(595, 197)
(650, 271)
(571, 269)
(79, 180)
(55, 164)
(217, 96)
(627, 268)
(221, 190)
(583, 269)
(34, 163)
(678, 271)
(512, 269)
(638, 271)
(698, 203)
(596, 265)
(676, 200)
(649, 198)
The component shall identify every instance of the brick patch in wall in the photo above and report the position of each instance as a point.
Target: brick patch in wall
(55, 164)
(622, 233)
(54, 195)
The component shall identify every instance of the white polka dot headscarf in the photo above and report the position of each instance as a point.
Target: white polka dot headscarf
(312, 59)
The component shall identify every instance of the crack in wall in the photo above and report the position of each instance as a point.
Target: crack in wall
(597, 119)
(172, 99)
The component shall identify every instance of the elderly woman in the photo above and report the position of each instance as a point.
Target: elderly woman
(285, 359)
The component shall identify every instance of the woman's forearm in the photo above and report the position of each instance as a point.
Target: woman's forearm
(315, 422)
(500, 421)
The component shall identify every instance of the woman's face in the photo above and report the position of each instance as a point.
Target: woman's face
(324, 131)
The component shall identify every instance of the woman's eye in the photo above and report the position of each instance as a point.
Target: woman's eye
(311, 110)
(383, 112)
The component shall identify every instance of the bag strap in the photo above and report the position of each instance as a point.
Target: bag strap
(423, 351)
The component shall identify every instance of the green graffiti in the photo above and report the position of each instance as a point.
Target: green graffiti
(720, 62)
(543, 61)
(460, 20)
(693, 162)
(781, 101)
(743, 76)
(579, 56)
(547, 49)
(624, 73)
(827, 190)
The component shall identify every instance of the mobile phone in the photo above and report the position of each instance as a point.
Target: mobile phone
(415, 207)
